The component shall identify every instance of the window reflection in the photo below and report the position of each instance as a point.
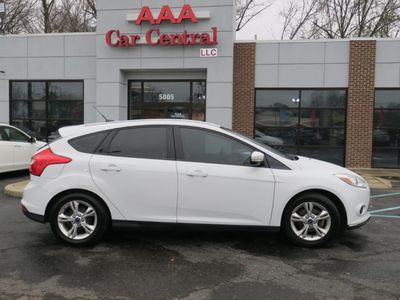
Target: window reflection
(323, 98)
(38, 91)
(19, 90)
(295, 120)
(386, 136)
(164, 92)
(277, 98)
(65, 91)
(42, 107)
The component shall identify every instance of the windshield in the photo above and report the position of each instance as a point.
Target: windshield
(268, 148)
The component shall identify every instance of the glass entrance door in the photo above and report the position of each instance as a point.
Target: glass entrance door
(177, 99)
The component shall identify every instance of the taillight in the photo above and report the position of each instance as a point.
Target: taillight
(44, 159)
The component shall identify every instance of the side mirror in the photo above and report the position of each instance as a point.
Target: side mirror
(32, 140)
(257, 158)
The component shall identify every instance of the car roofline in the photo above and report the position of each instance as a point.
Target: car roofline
(152, 121)
(79, 130)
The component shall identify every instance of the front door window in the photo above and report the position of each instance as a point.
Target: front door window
(167, 99)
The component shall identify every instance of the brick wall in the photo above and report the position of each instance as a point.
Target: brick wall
(360, 103)
(243, 87)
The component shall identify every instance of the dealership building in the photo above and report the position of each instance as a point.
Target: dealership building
(335, 100)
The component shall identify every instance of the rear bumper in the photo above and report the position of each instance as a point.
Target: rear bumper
(32, 216)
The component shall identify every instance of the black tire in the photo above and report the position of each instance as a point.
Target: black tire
(102, 224)
(321, 200)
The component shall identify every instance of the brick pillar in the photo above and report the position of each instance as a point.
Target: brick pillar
(244, 73)
(360, 103)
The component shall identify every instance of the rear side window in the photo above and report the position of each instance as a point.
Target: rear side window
(141, 142)
(88, 143)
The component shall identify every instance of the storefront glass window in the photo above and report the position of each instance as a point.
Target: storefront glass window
(303, 122)
(386, 136)
(42, 107)
(167, 99)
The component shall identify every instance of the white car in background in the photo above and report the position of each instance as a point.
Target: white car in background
(179, 172)
(16, 148)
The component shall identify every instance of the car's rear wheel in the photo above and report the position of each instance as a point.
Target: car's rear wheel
(311, 220)
(78, 219)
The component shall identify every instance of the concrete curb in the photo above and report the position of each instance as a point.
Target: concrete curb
(16, 190)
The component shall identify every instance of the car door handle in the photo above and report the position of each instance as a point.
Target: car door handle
(197, 173)
(111, 168)
(17, 146)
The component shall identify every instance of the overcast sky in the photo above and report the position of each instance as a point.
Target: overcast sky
(267, 26)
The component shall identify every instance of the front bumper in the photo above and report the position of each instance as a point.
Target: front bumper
(32, 216)
(356, 202)
(360, 223)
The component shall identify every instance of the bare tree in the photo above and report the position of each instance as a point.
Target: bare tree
(90, 8)
(296, 16)
(66, 15)
(247, 10)
(18, 17)
(73, 17)
(49, 14)
(342, 19)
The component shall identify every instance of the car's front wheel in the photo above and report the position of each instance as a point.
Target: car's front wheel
(311, 220)
(78, 219)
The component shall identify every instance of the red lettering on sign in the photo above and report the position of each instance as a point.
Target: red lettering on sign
(176, 39)
(145, 15)
(205, 39)
(215, 35)
(187, 14)
(149, 37)
(166, 15)
(109, 38)
(134, 38)
(154, 38)
(115, 39)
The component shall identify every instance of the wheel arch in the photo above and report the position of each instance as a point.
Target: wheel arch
(53, 201)
(335, 199)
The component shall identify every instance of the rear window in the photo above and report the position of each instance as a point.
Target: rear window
(88, 143)
(144, 143)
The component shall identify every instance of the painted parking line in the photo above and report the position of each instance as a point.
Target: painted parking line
(384, 209)
(376, 213)
(385, 216)
(385, 195)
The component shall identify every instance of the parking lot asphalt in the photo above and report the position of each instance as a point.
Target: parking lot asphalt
(140, 264)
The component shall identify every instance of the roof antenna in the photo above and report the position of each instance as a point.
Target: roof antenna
(104, 117)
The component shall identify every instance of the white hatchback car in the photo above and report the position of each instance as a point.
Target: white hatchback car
(16, 148)
(185, 172)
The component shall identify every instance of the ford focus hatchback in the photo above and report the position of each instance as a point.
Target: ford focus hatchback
(183, 172)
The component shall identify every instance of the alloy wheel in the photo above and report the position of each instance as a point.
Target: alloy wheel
(77, 220)
(310, 221)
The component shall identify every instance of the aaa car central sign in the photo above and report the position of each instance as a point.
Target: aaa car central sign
(155, 37)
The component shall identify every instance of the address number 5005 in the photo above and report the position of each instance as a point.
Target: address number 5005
(166, 97)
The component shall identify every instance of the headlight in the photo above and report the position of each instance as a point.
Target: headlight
(353, 180)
